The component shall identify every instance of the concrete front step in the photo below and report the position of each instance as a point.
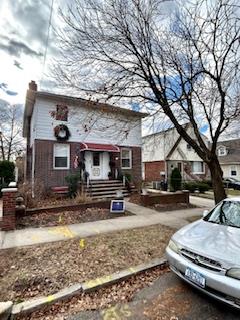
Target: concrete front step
(115, 185)
(105, 189)
(105, 192)
(105, 181)
(109, 196)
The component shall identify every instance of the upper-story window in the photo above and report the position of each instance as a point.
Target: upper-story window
(126, 158)
(222, 151)
(61, 112)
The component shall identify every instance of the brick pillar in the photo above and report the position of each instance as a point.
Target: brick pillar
(9, 207)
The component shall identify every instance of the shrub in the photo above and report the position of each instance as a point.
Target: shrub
(128, 176)
(208, 182)
(72, 181)
(25, 191)
(202, 187)
(196, 185)
(176, 179)
(191, 186)
(81, 198)
(7, 171)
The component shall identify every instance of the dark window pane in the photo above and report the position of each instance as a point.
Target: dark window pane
(60, 162)
(96, 159)
(126, 163)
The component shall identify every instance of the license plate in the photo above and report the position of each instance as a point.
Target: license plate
(195, 277)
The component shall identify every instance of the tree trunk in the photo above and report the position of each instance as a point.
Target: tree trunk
(217, 180)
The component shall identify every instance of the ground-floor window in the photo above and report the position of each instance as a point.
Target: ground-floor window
(197, 167)
(61, 156)
(233, 171)
(126, 158)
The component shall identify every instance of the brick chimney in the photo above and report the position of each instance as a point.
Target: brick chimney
(32, 86)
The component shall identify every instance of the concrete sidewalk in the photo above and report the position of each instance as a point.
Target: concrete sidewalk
(143, 217)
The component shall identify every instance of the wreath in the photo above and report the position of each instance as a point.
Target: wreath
(62, 132)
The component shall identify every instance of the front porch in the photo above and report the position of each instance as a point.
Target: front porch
(100, 161)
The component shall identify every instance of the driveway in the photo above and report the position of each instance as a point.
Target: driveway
(168, 298)
(202, 202)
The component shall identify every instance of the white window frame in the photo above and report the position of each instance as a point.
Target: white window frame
(68, 156)
(233, 170)
(130, 158)
(222, 151)
(203, 172)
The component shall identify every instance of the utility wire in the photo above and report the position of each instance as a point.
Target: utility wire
(47, 41)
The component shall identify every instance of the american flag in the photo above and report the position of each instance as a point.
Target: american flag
(75, 162)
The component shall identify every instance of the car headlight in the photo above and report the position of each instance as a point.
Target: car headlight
(233, 273)
(173, 246)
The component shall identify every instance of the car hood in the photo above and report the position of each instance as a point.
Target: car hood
(212, 240)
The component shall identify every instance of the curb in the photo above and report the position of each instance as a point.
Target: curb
(101, 282)
(35, 304)
(88, 286)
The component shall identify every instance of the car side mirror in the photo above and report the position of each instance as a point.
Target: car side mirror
(205, 213)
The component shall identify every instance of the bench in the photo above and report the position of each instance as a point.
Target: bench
(60, 190)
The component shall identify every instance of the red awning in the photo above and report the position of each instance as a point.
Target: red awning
(98, 147)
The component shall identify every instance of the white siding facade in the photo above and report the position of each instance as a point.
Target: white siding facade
(86, 125)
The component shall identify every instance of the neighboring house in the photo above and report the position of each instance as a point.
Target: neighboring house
(166, 150)
(229, 157)
(68, 135)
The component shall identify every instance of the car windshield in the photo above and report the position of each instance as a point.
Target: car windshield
(226, 213)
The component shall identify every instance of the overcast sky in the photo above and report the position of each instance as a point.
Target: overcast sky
(23, 35)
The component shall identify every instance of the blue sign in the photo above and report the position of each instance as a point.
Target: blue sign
(117, 206)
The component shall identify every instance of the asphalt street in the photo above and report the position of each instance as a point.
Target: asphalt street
(168, 298)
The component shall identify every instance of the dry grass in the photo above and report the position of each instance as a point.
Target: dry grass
(44, 269)
(81, 198)
(50, 219)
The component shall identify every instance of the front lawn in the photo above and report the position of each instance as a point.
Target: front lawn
(233, 192)
(44, 269)
(210, 195)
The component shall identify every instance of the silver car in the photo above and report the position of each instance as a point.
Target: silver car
(206, 253)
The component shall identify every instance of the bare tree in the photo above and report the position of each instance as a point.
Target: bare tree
(185, 65)
(11, 141)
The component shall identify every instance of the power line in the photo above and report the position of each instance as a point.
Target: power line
(47, 40)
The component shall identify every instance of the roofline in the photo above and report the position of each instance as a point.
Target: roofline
(230, 140)
(230, 162)
(75, 101)
(158, 133)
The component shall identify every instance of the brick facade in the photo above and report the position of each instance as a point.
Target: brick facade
(153, 169)
(9, 209)
(136, 170)
(50, 177)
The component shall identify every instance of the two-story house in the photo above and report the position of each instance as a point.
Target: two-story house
(66, 134)
(229, 158)
(166, 150)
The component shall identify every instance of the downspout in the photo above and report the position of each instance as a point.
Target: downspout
(33, 167)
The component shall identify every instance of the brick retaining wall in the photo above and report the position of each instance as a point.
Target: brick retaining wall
(70, 207)
(165, 198)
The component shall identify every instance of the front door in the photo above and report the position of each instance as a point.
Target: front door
(96, 165)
